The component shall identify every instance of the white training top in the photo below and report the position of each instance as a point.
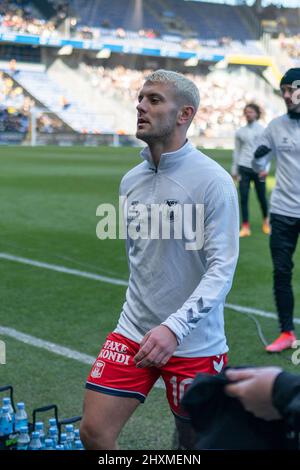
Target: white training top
(168, 284)
(245, 144)
(282, 138)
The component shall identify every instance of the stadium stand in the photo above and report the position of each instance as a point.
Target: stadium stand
(291, 45)
(70, 72)
(221, 103)
(106, 103)
(205, 20)
(15, 107)
(202, 20)
(26, 19)
(97, 96)
(117, 15)
(59, 100)
(12, 120)
(285, 20)
(157, 24)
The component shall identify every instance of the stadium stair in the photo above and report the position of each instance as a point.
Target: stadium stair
(48, 92)
(109, 112)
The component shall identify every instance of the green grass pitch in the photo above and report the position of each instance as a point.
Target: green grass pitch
(48, 200)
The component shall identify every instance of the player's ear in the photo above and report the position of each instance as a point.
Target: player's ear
(186, 114)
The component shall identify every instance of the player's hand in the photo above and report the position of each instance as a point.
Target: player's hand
(236, 179)
(253, 387)
(262, 175)
(156, 348)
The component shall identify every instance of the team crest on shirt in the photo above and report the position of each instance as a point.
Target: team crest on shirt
(133, 212)
(285, 145)
(97, 369)
(171, 209)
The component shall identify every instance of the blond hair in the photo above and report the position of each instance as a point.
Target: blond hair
(184, 87)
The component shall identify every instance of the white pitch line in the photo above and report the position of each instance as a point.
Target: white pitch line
(63, 269)
(76, 355)
(121, 282)
(47, 345)
(255, 311)
(55, 348)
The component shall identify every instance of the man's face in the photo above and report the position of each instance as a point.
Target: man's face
(157, 112)
(250, 114)
(291, 96)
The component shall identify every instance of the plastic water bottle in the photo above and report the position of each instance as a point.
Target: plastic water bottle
(63, 440)
(21, 418)
(59, 447)
(53, 434)
(39, 427)
(76, 434)
(53, 424)
(1, 433)
(35, 443)
(6, 425)
(23, 439)
(78, 445)
(48, 444)
(7, 402)
(70, 436)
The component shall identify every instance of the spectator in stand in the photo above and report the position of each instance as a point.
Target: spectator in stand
(221, 104)
(291, 45)
(13, 17)
(64, 102)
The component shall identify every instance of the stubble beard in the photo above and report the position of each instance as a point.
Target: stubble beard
(161, 134)
(295, 108)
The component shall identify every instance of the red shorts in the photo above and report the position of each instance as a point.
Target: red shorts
(115, 373)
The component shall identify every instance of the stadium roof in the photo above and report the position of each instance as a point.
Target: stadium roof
(285, 3)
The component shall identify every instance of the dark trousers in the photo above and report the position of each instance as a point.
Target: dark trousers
(283, 241)
(246, 176)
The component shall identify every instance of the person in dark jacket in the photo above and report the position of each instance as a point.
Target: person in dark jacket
(245, 409)
(268, 392)
(281, 139)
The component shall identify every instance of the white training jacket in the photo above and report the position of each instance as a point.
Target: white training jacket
(282, 139)
(168, 284)
(245, 144)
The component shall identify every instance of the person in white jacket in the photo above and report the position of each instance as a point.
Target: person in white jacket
(172, 321)
(246, 139)
(281, 139)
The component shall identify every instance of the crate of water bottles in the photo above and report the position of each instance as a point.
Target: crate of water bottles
(17, 433)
